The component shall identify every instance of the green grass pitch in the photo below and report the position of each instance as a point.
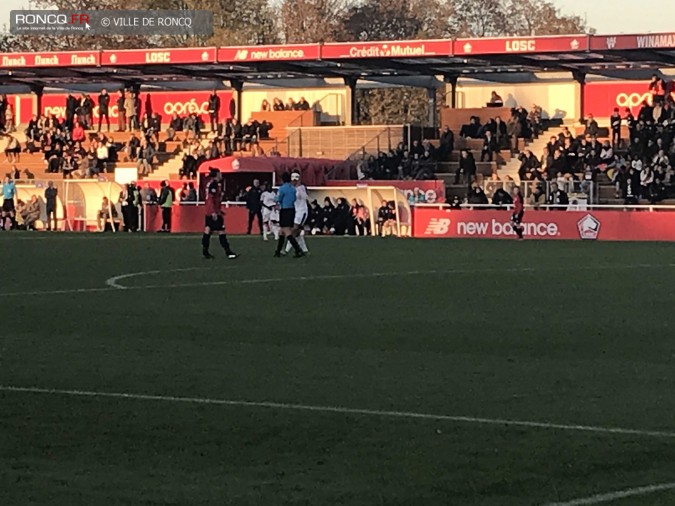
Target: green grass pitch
(570, 333)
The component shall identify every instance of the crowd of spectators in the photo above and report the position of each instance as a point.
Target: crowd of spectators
(641, 166)
(291, 105)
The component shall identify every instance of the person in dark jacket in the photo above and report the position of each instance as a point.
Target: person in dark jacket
(71, 108)
(476, 195)
(501, 198)
(467, 167)
(615, 123)
(87, 108)
(447, 143)
(214, 109)
(103, 109)
(121, 113)
(558, 198)
(254, 206)
(50, 199)
(529, 167)
(490, 147)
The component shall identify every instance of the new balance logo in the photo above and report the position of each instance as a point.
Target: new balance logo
(611, 42)
(437, 226)
(242, 54)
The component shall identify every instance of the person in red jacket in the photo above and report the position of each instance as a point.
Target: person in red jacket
(518, 211)
(657, 90)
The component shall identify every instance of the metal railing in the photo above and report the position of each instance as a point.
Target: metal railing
(558, 207)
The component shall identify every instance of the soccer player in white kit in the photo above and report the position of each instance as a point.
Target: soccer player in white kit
(268, 201)
(301, 213)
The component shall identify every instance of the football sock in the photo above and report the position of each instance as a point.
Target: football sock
(294, 243)
(301, 242)
(206, 240)
(280, 243)
(224, 243)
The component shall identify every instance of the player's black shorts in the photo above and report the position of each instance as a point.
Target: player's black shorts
(8, 205)
(286, 217)
(215, 224)
(517, 218)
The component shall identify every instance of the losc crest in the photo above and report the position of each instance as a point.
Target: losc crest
(589, 227)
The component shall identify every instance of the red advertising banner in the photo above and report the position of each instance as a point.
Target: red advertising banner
(562, 44)
(54, 59)
(645, 41)
(600, 99)
(394, 49)
(159, 56)
(570, 225)
(434, 190)
(163, 102)
(269, 53)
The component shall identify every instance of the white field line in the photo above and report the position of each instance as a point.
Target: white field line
(614, 496)
(343, 411)
(113, 282)
(113, 285)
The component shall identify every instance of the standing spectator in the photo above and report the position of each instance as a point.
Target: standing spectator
(214, 109)
(166, 197)
(447, 143)
(148, 195)
(71, 109)
(3, 111)
(105, 214)
(50, 199)
(657, 90)
(254, 206)
(87, 107)
(500, 133)
(9, 119)
(130, 110)
(103, 109)
(13, 149)
(615, 123)
(467, 167)
(514, 131)
(121, 112)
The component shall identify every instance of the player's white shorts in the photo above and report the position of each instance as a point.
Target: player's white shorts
(273, 216)
(267, 214)
(300, 218)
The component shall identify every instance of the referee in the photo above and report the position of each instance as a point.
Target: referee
(286, 201)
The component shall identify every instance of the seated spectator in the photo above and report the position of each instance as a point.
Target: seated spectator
(278, 105)
(212, 151)
(501, 198)
(557, 165)
(264, 129)
(315, 219)
(237, 134)
(146, 154)
(495, 100)
(386, 220)
(31, 213)
(557, 198)
(175, 125)
(529, 166)
(538, 197)
(591, 126)
(104, 214)
(291, 105)
(490, 147)
(33, 129)
(265, 106)
(192, 125)
(132, 147)
(456, 202)
(359, 223)
(13, 149)
(189, 168)
(102, 157)
(249, 135)
(476, 195)
(78, 134)
(471, 130)
(328, 212)
(303, 105)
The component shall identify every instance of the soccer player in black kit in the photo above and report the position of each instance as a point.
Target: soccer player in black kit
(214, 222)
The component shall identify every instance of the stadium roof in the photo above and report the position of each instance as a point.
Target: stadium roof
(511, 59)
